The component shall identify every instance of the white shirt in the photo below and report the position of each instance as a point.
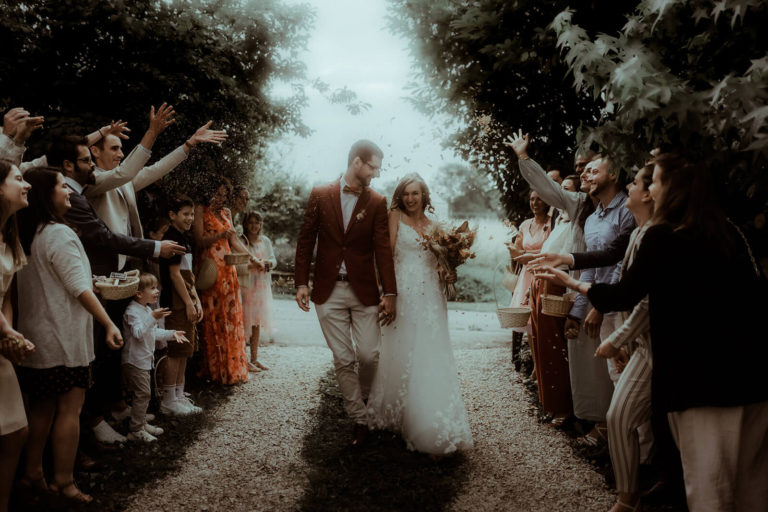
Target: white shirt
(140, 334)
(348, 203)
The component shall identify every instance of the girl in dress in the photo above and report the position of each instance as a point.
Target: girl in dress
(416, 389)
(257, 295)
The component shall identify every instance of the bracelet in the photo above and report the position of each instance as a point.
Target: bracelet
(101, 134)
(524, 158)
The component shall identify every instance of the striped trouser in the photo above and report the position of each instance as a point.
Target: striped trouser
(630, 408)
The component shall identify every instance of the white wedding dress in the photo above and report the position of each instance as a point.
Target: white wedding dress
(416, 389)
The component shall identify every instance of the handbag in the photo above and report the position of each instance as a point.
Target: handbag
(207, 273)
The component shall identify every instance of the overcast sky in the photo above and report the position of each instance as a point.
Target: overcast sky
(352, 46)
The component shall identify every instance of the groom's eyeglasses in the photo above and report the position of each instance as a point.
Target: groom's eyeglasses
(374, 168)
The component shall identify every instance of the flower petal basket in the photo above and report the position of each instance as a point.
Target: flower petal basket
(510, 317)
(556, 305)
(114, 289)
(237, 258)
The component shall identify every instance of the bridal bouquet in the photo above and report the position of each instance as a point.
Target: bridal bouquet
(451, 248)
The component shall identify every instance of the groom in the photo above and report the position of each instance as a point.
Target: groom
(349, 222)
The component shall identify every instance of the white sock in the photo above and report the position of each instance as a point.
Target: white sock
(169, 394)
(179, 391)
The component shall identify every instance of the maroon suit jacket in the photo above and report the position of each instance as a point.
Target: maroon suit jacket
(364, 247)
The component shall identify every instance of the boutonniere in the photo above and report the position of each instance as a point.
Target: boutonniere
(360, 216)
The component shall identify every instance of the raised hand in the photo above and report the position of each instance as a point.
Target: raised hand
(519, 143)
(12, 119)
(117, 128)
(26, 127)
(162, 119)
(159, 313)
(205, 134)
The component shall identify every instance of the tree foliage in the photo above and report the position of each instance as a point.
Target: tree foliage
(495, 65)
(82, 63)
(469, 193)
(684, 73)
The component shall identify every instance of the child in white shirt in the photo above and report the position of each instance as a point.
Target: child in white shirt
(141, 335)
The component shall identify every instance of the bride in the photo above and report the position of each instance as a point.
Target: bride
(416, 389)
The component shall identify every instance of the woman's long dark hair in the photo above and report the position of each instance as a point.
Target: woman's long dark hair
(41, 210)
(690, 199)
(10, 229)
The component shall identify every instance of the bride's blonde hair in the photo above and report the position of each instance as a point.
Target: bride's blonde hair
(397, 197)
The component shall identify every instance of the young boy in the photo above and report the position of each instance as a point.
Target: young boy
(180, 296)
(141, 334)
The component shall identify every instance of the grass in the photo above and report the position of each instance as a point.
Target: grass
(381, 476)
(121, 473)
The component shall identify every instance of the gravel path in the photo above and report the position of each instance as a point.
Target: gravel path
(252, 458)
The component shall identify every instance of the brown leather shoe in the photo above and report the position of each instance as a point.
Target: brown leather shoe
(359, 435)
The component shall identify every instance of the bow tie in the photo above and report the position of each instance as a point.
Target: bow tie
(349, 190)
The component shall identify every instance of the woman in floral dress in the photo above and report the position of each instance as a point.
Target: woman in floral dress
(224, 356)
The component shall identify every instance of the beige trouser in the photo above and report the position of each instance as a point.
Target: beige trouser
(137, 383)
(725, 456)
(352, 332)
(611, 322)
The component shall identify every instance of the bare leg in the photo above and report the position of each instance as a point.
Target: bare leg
(40, 417)
(10, 450)
(64, 439)
(255, 348)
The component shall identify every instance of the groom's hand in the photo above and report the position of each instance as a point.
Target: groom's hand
(387, 310)
(302, 298)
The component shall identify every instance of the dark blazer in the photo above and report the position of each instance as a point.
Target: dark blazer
(706, 314)
(363, 247)
(102, 245)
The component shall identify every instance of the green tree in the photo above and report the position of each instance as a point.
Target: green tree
(468, 192)
(495, 66)
(83, 63)
(690, 73)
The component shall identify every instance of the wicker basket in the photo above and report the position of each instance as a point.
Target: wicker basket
(237, 258)
(556, 305)
(513, 317)
(510, 317)
(122, 290)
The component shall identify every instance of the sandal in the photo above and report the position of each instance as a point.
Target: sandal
(594, 438)
(558, 421)
(77, 497)
(253, 368)
(261, 366)
(629, 508)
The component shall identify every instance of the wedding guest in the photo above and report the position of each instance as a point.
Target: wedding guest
(240, 199)
(116, 182)
(13, 345)
(257, 297)
(102, 246)
(142, 337)
(716, 400)
(590, 383)
(56, 310)
(224, 356)
(180, 296)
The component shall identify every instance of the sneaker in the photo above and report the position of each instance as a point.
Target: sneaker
(155, 431)
(175, 408)
(193, 409)
(106, 434)
(142, 436)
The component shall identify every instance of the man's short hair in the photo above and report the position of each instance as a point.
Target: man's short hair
(64, 148)
(176, 203)
(364, 149)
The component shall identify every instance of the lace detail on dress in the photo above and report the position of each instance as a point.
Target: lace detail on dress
(416, 390)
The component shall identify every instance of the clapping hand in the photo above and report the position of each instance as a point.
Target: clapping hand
(159, 313)
(13, 119)
(519, 143)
